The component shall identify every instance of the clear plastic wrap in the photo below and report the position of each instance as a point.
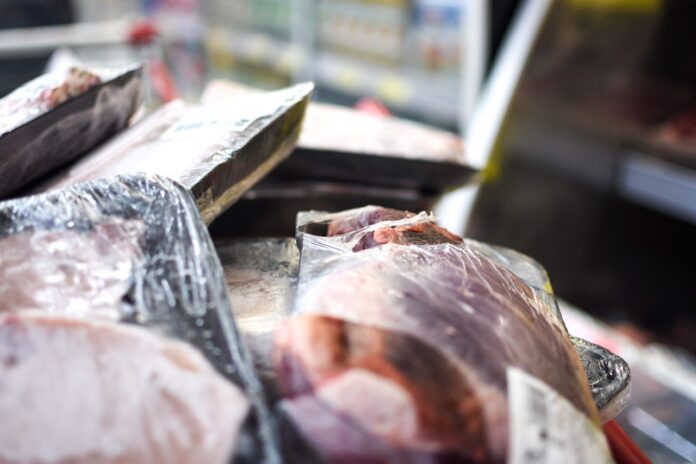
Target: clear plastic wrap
(261, 277)
(608, 375)
(57, 117)
(218, 151)
(408, 344)
(119, 252)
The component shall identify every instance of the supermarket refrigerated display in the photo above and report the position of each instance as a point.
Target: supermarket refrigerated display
(659, 417)
(76, 212)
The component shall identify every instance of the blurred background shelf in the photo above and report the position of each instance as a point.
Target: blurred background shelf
(411, 55)
(659, 185)
(425, 59)
(625, 158)
(41, 40)
(256, 49)
(430, 94)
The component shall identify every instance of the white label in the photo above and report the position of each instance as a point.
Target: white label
(221, 118)
(545, 428)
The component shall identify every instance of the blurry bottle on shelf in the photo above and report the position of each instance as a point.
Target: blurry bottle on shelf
(250, 41)
(181, 32)
(267, 16)
(370, 30)
(436, 34)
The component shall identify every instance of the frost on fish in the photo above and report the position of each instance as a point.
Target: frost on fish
(70, 271)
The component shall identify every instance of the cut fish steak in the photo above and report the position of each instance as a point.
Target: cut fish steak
(84, 391)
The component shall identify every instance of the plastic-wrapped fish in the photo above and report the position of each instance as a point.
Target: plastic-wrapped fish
(77, 265)
(410, 344)
(78, 272)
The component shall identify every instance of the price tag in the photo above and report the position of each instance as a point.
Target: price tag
(545, 428)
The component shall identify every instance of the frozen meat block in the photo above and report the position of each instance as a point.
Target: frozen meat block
(43, 94)
(59, 116)
(218, 151)
(80, 391)
(346, 145)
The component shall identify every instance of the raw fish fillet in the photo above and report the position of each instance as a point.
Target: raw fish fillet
(402, 340)
(79, 391)
(76, 83)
